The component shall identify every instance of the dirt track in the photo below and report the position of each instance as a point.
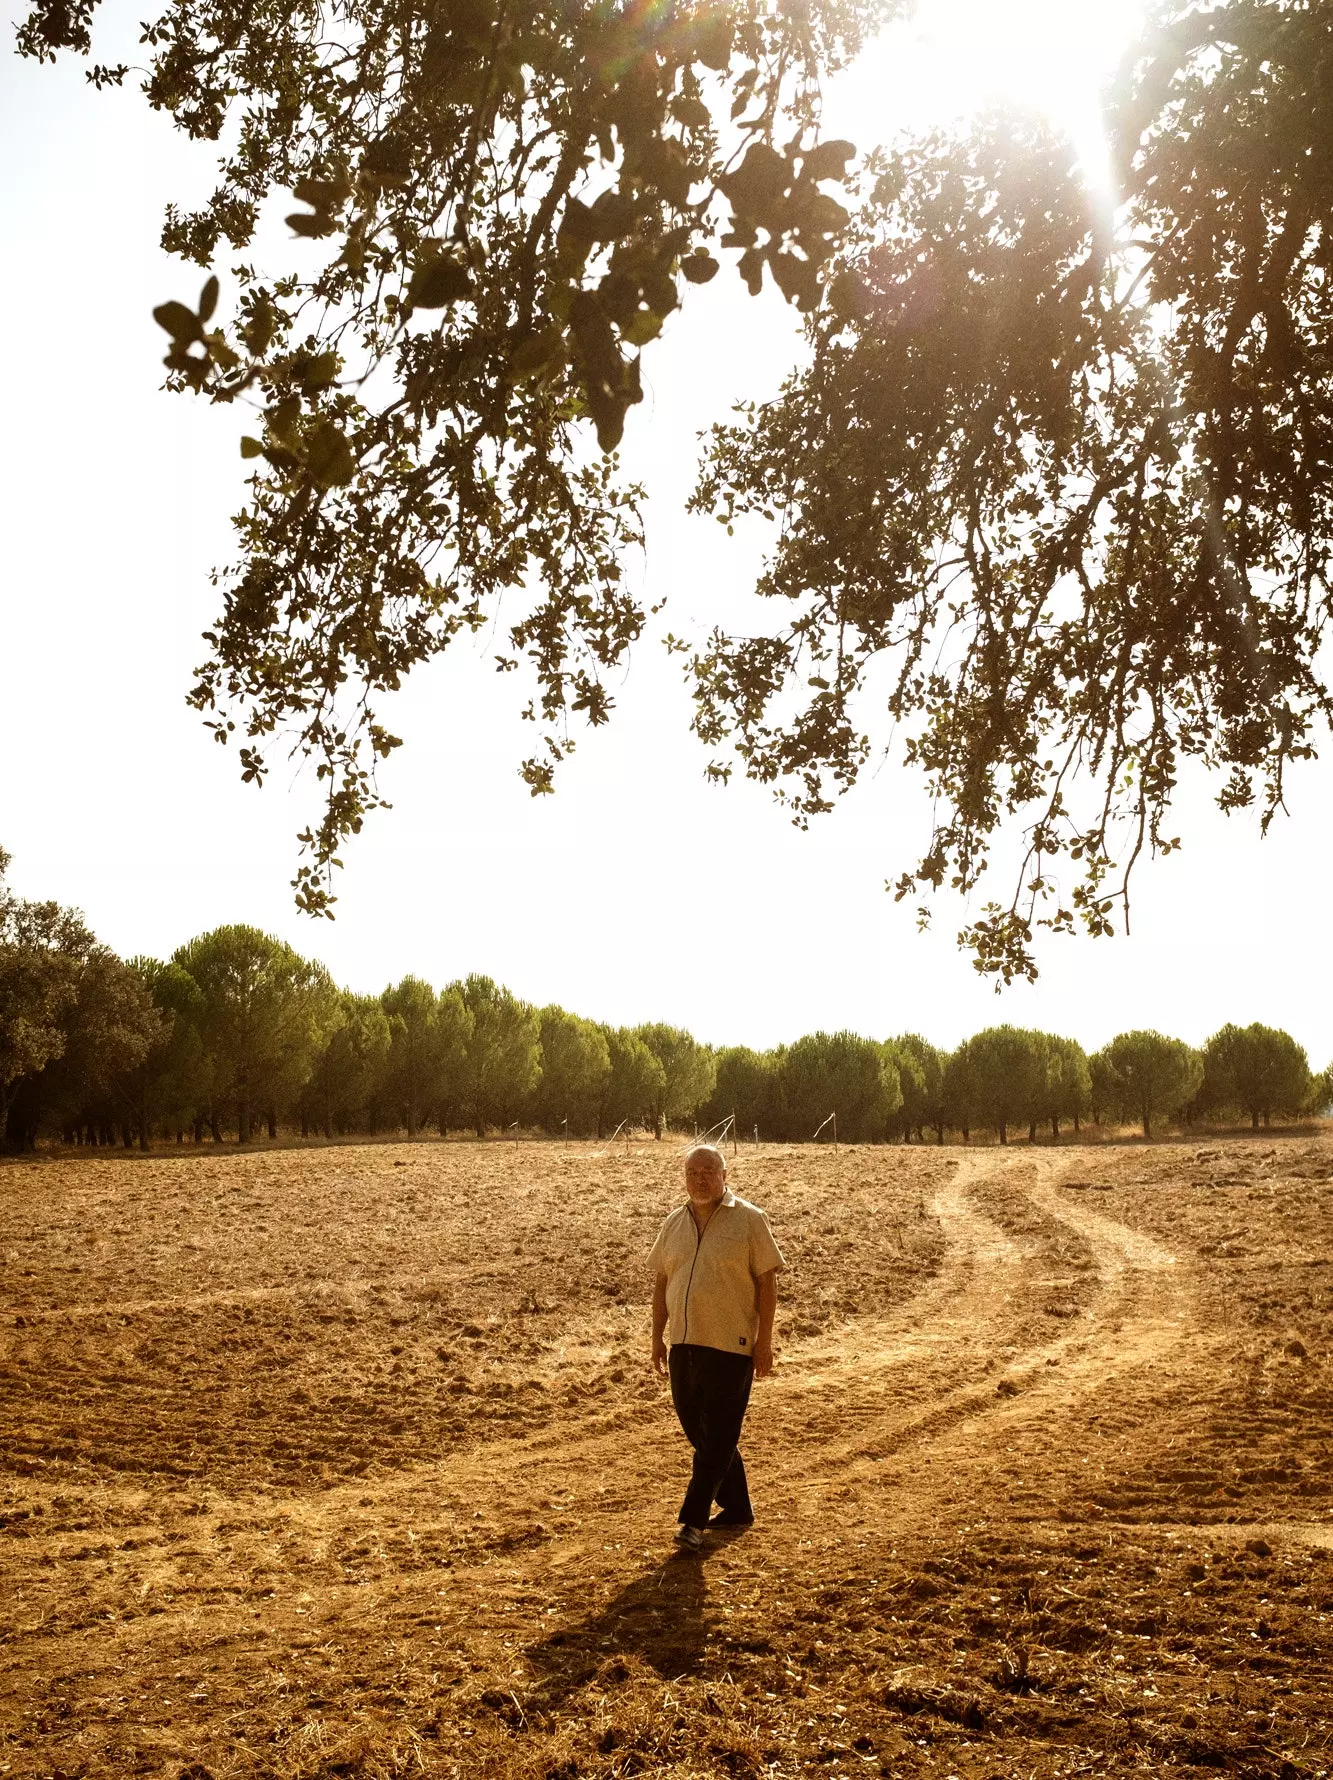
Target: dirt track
(348, 1462)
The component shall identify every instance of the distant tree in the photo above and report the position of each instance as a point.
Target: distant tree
(263, 1014)
(1007, 1067)
(173, 1084)
(962, 1091)
(836, 1073)
(412, 1075)
(501, 1053)
(351, 1067)
(113, 1029)
(1149, 1076)
(745, 1086)
(689, 1073)
(1320, 1097)
(636, 1084)
(1255, 1069)
(1066, 1083)
(42, 947)
(921, 1073)
(576, 1065)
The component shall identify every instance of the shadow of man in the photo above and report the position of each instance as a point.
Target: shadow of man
(661, 1617)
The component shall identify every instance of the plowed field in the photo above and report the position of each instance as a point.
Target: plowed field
(349, 1461)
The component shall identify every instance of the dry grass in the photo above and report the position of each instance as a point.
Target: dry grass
(348, 1462)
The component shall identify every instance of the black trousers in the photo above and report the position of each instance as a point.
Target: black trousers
(711, 1390)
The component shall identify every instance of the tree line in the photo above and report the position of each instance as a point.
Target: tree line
(236, 1035)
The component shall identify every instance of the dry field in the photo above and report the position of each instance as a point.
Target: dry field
(349, 1462)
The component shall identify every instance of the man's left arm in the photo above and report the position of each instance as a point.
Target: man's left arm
(763, 1341)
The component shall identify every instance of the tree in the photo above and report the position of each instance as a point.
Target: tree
(351, 1067)
(921, 1074)
(501, 1053)
(962, 1090)
(412, 1075)
(1255, 1069)
(1066, 1091)
(635, 1085)
(498, 211)
(263, 1013)
(113, 1028)
(576, 1065)
(1006, 1067)
(1150, 1076)
(689, 1073)
(1094, 455)
(173, 1084)
(840, 1074)
(745, 1085)
(41, 949)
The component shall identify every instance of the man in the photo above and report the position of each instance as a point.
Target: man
(716, 1271)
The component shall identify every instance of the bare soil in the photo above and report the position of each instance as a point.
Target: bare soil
(350, 1462)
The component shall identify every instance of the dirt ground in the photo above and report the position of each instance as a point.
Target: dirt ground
(349, 1461)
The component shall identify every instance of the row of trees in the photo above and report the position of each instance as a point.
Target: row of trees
(236, 1031)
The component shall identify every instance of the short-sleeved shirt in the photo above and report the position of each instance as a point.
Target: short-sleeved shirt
(713, 1279)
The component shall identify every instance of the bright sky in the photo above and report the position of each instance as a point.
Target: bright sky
(638, 892)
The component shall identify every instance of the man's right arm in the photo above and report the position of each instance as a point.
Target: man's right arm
(659, 1325)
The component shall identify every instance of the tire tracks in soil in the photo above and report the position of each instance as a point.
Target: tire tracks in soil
(888, 1425)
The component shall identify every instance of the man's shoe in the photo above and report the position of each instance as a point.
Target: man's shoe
(689, 1538)
(732, 1520)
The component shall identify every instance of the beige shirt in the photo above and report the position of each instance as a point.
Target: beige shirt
(713, 1279)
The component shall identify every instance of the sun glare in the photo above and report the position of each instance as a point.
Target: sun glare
(953, 58)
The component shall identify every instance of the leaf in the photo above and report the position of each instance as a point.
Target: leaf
(538, 353)
(181, 323)
(693, 113)
(282, 419)
(644, 326)
(329, 457)
(699, 266)
(438, 282)
(828, 161)
(310, 224)
(712, 41)
(251, 447)
(208, 300)
(760, 180)
(320, 371)
(259, 330)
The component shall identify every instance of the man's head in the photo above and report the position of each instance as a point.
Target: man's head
(705, 1174)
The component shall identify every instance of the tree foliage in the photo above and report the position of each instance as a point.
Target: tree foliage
(263, 1011)
(1148, 1076)
(497, 206)
(1256, 1070)
(1060, 481)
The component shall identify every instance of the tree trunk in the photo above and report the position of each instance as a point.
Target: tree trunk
(215, 1129)
(1055, 1126)
(272, 1124)
(145, 1138)
(180, 1137)
(1032, 1131)
(1254, 1119)
(1267, 1117)
(1004, 1134)
(199, 1128)
(939, 1134)
(1147, 1125)
(1076, 1125)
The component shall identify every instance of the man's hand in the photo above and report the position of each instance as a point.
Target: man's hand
(659, 1356)
(763, 1358)
(660, 1325)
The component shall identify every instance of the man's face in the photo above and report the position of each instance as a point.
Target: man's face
(704, 1180)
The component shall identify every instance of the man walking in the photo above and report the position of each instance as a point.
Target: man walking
(716, 1266)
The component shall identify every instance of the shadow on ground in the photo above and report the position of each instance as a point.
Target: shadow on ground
(661, 1618)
